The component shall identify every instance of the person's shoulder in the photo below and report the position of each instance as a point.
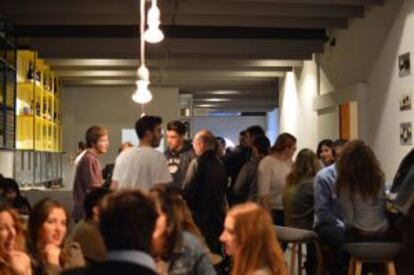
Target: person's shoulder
(266, 161)
(72, 248)
(193, 244)
(82, 227)
(87, 157)
(128, 153)
(191, 240)
(327, 171)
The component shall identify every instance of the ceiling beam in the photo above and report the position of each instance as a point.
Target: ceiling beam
(270, 21)
(170, 62)
(252, 95)
(216, 74)
(200, 68)
(181, 32)
(185, 84)
(236, 109)
(187, 48)
(128, 48)
(128, 8)
(184, 20)
(265, 8)
(318, 2)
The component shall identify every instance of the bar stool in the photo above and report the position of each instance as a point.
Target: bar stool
(297, 237)
(371, 252)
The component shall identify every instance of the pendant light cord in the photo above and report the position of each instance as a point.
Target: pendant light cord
(142, 29)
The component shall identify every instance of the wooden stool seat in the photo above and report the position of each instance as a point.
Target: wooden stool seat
(371, 252)
(297, 237)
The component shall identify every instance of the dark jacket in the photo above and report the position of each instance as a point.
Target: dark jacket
(178, 163)
(233, 164)
(245, 187)
(298, 204)
(111, 268)
(204, 190)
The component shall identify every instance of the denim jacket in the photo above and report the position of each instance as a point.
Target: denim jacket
(327, 207)
(191, 258)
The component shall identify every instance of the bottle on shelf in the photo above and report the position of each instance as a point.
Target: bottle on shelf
(46, 83)
(44, 115)
(30, 71)
(31, 108)
(25, 109)
(37, 109)
(37, 76)
(56, 86)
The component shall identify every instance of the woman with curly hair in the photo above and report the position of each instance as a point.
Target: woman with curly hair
(250, 238)
(13, 259)
(361, 190)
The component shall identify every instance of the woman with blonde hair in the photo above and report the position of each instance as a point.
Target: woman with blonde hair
(13, 259)
(249, 237)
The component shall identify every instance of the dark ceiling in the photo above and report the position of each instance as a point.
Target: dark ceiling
(230, 54)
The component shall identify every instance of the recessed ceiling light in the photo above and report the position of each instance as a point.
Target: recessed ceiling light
(225, 92)
(206, 105)
(214, 99)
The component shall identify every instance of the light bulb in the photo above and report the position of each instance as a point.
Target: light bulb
(153, 35)
(142, 95)
(153, 17)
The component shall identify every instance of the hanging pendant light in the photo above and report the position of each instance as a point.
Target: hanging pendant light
(153, 34)
(142, 94)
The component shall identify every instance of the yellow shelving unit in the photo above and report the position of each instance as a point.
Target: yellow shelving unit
(38, 105)
(38, 158)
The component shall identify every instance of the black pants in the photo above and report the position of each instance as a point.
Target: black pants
(278, 217)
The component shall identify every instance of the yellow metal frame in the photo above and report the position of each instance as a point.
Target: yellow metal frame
(38, 125)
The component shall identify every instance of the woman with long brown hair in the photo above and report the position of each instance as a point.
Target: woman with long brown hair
(361, 190)
(271, 175)
(176, 251)
(249, 237)
(298, 199)
(50, 249)
(13, 259)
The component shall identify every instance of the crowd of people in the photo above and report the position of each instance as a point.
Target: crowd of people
(198, 208)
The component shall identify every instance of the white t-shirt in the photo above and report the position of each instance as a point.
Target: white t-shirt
(140, 167)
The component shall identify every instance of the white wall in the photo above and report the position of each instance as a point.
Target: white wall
(385, 90)
(111, 107)
(296, 105)
(227, 127)
(366, 52)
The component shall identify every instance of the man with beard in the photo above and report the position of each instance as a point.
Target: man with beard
(142, 166)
